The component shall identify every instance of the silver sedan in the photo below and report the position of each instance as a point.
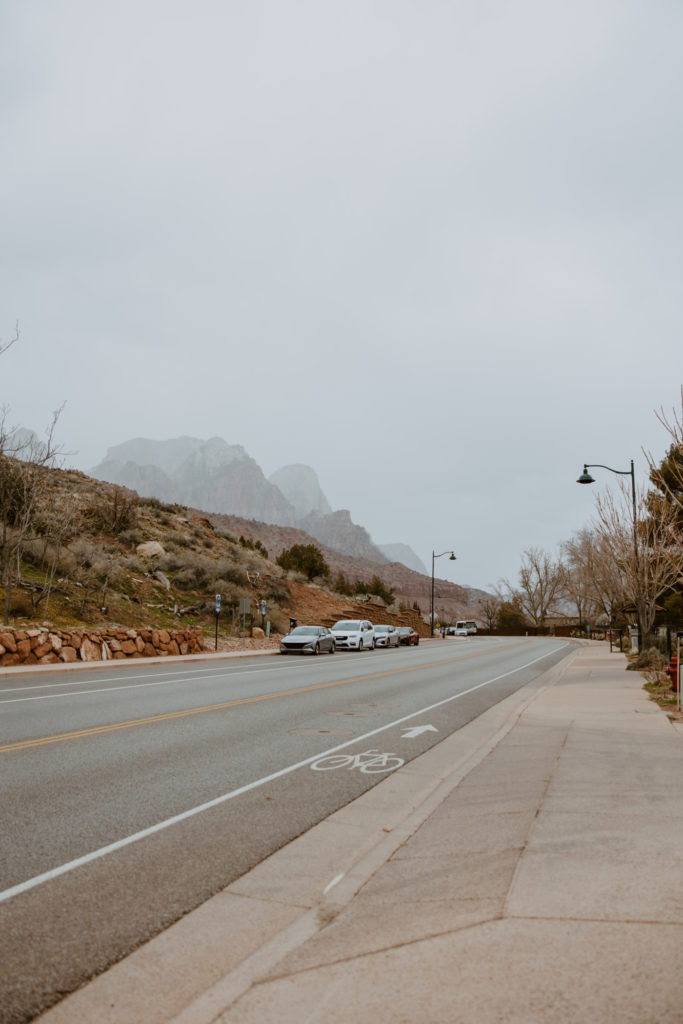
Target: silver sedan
(308, 640)
(386, 636)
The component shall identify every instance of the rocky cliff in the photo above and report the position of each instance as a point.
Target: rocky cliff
(338, 531)
(405, 554)
(211, 475)
(301, 488)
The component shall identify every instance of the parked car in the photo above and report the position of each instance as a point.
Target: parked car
(354, 634)
(407, 636)
(308, 640)
(386, 636)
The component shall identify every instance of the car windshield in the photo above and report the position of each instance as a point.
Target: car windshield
(381, 629)
(307, 630)
(352, 624)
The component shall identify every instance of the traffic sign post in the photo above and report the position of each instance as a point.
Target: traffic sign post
(245, 609)
(218, 611)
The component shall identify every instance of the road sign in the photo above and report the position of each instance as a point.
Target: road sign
(245, 606)
(263, 607)
(218, 603)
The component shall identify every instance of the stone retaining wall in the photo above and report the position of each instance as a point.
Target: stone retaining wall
(50, 646)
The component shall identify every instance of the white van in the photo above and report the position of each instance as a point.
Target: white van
(468, 625)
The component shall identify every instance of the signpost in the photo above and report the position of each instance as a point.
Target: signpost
(245, 609)
(218, 611)
(679, 637)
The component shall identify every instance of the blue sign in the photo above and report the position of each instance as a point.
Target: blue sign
(218, 603)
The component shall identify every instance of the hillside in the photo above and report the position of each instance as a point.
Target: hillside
(408, 585)
(101, 555)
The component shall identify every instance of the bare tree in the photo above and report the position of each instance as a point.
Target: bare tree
(541, 579)
(593, 582)
(648, 571)
(667, 477)
(23, 461)
(488, 607)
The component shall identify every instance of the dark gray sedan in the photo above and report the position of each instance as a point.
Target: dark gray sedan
(308, 640)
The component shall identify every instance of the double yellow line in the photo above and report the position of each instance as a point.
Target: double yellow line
(101, 730)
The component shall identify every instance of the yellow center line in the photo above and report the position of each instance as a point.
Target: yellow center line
(169, 716)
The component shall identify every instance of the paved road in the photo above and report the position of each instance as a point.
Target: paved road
(131, 794)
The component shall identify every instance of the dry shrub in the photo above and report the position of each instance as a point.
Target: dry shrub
(114, 510)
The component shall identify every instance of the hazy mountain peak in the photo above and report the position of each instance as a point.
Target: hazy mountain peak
(301, 488)
(404, 554)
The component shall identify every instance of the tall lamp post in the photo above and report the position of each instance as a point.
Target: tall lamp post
(431, 612)
(586, 478)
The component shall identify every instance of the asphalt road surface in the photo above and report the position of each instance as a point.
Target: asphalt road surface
(132, 793)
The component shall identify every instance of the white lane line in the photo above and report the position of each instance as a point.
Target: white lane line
(209, 677)
(186, 676)
(88, 858)
(332, 884)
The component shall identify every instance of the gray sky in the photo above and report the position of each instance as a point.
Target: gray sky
(432, 249)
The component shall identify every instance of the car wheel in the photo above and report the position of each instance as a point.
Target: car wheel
(360, 646)
(316, 649)
(374, 644)
(333, 649)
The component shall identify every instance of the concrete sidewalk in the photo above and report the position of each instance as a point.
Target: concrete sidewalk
(528, 868)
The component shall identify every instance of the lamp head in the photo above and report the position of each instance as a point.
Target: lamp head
(452, 558)
(585, 477)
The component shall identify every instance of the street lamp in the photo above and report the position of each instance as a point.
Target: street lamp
(431, 613)
(586, 478)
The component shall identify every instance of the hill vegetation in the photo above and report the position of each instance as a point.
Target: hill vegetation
(96, 554)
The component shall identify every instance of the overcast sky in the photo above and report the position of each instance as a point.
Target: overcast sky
(432, 249)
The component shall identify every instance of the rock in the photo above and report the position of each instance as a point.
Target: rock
(164, 580)
(68, 654)
(150, 549)
(257, 633)
(90, 651)
(8, 642)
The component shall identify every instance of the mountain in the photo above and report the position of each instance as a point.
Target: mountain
(217, 477)
(211, 475)
(404, 554)
(301, 487)
(338, 531)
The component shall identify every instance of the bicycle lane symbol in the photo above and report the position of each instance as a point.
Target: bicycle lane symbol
(369, 762)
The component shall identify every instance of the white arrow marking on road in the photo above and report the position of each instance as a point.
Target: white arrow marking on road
(416, 730)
